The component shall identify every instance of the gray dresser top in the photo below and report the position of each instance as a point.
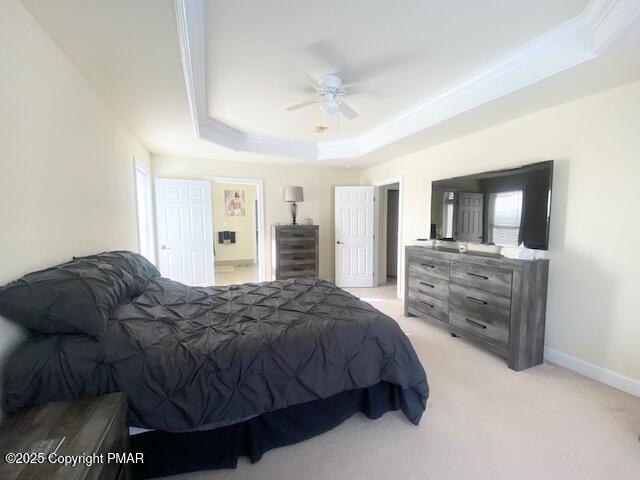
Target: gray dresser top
(479, 258)
(294, 227)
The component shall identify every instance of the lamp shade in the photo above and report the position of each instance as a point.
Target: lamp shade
(293, 194)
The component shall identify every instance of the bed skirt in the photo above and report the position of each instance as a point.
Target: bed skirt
(173, 453)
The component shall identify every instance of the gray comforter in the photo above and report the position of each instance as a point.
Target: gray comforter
(193, 358)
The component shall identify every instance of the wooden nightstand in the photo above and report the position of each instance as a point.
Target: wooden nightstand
(93, 425)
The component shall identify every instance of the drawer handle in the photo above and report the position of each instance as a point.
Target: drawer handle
(297, 247)
(298, 258)
(426, 284)
(477, 300)
(426, 303)
(475, 324)
(478, 276)
(427, 265)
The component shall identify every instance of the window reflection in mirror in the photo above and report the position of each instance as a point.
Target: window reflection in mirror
(505, 217)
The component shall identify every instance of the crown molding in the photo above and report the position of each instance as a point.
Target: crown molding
(576, 41)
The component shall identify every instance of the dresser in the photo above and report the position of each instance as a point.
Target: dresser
(93, 426)
(496, 302)
(294, 251)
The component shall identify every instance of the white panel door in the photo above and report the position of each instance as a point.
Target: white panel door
(470, 207)
(185, 236)
(355, 227)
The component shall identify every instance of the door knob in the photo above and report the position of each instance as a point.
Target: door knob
(164, 247)
(338, 242)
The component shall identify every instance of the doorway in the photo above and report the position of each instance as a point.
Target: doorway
(237, 208)
(368, 235)
(389, 234)
(392, 233)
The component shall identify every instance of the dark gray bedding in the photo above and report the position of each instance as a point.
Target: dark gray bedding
(192, 358)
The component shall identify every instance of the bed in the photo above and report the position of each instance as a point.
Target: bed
(212, 372)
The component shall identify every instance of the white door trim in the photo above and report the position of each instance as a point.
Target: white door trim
(259, 184)
(138, 165)
(399, 263)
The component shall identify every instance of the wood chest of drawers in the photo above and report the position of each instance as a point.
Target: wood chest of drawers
(497, 302)
(294, 251)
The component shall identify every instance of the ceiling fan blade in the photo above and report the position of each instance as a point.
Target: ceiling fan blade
(310, 82)
(347, 111)
(329, 58)
(298, 106)
(372, 70)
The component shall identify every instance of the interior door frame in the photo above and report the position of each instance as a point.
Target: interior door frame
(399, 263)
(259, 184)
(139, 166)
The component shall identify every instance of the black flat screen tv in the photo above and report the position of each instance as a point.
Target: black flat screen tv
(504, 207)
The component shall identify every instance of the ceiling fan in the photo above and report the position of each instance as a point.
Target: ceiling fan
(329, 89)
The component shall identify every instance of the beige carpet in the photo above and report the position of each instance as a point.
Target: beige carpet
(483, 421)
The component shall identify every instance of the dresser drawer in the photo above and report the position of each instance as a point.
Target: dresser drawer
(425, 265)
(294, 236)
(297, 246)
(492, 329)
(287, 271)
(480, 303)
(428, 285)
(297, 232)
(434, 307)
(489, 279)
(302, 258)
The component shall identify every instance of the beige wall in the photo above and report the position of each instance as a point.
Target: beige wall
(245, 246)
(318, 186)
(593, 312)
(66, 169)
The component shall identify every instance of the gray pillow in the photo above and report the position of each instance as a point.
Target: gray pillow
(75, 297)
(141, 269)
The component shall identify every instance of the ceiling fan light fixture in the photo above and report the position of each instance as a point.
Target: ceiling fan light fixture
(329, 88)
(329, 106)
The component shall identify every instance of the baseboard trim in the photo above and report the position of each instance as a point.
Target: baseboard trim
(602, 375)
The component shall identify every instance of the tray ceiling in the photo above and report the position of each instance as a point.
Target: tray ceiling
(426, 73)
(410, 68)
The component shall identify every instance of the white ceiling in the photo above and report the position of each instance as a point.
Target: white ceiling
(257, 53)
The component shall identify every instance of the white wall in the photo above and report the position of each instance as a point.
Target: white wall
(245, 227)
(318, 186)
(66, 169)
(593, 313)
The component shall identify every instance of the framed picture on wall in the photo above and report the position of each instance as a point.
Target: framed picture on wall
(234, 203)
